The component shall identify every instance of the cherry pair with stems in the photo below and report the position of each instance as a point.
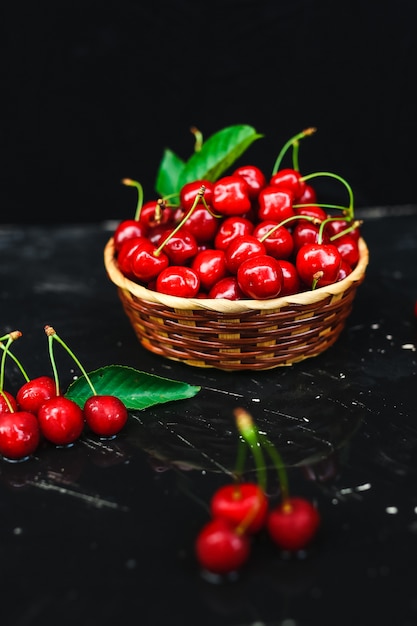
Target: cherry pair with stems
(241, 509)
(39, 409)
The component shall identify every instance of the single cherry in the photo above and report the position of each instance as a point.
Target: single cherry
(278, 240)
(230, 228)
(240, 249)
(19, 434)
(226, 288)
(220, 548)
(260, 277)
(275, 204)
(179, 246)
(291, 283)
(105, 415)
(33, 393)
(291, 179)
(190, 191)
(254, 177)
(293, 524)
(8, 402)
(210, 266)
(240, 503)
(61, 420)
(318, 264)
(147, 263)
(231, 196)
(178, 280)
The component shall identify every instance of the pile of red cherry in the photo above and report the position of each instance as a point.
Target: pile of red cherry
(242, 509)
(40, 412)
(244, 236)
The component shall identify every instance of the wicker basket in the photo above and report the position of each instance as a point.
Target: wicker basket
(242, 334)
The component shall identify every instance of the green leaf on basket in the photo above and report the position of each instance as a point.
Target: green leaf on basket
(138, 390)
(216, 155)
(168, 174)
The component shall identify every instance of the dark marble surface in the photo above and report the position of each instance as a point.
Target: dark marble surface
(102, 532)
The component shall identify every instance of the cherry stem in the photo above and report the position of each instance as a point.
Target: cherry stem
(7, 401)
(249, 433)
(198, 135)
(292, 142)
(10, 337)
(278, 463)
(350, 209)
(292, 218)
(323, 206)
(134, 183)
(199, 197)
(355, 224)
(51, 334)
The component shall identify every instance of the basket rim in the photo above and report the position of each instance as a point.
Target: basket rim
(221, 305)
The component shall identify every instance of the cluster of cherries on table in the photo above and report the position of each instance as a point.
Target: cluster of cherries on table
(38, 412)
(242, 510)
(244, 236)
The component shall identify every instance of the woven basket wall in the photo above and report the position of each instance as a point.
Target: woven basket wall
(238, 335)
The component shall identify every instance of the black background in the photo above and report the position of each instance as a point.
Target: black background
(93, 92)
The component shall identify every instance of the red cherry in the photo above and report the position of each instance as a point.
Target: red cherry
(318, 264)
(178, 280)
(146, 264)
(19, 434)
(275, 204)
(293, 524)
(231, 196)
(334, 227)
(34, 392)
(290, 179)
(240, 249)
(312, 210)
(180, 247)
(231, 228)
(309, 195)
(304, 232)
(344, 271)
(106, 415)
(220, 549)
(277, 239)
(154, 213)
(226, 288)
(200, 223)
(126, 252)
(61, 420)
(210, 266)
(260, 277)
(348, 247)
(291, 283)
(254, 177)
(189, 192)
(128, 229)
(4, 403)
(244, 503)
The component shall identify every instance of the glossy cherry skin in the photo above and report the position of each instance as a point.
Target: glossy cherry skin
(128, 229)
(278, 243)
(244, 503)
(304, 232)
(189, 191)
(226, 288)
(334, 227)
(312, 210)
(34, 392)
(201, 224)
(220, 549)
(349, 248)
(292, 525)
(318, 264)
(178, 280)
(291, 283)
(105, 415)
(146, 264)
(231, 196)
(61, 420)
(19, 434)
(230, 228)
(180, 247)
(290, 179)
(240, 249)
(344, 271)
(210, 266)
(152, 214)
(254, 177)
(260, 277)
(125, 255)
(4, 406)
(309, 195)
(275, 204)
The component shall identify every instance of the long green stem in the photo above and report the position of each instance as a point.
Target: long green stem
(291, 142)
(350, 209)
(134, 183)
(51, 334)
(278, 464)
(13, 356)
(249, 433)
(10, 337)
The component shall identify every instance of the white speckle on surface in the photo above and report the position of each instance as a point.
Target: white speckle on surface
(341, 375)
(17, 530)
(131, 563)
(409, 346)
(391, 510)
(389, 337)
(256, 399)
(374, 326)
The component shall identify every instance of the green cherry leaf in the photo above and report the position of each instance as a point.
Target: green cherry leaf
(218, 153)
(168, 174)
(138, 390)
